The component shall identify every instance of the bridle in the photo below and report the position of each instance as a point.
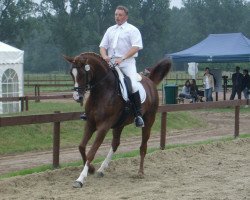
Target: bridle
(80, 89)
(87, 78)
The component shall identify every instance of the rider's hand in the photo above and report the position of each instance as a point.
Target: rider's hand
(107, 59)
(118, 61)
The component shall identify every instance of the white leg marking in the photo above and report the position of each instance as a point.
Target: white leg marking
(83, 174)
(106, 162)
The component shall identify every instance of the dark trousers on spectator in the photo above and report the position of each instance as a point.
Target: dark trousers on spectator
(234, 91)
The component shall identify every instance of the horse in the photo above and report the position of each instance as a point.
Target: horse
(104, 107)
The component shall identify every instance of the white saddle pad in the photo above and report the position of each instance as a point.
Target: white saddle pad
(124, 89)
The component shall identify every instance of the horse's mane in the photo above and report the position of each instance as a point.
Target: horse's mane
(96, 57)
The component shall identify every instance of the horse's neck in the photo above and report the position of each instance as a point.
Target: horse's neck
(103, 79)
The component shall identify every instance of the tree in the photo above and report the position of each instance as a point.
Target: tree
(215, 16)
(154, 19)
(14, 20)
(56, 27)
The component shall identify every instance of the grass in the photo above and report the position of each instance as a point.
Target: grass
(228, 109)
(130, 154)
(37, 137)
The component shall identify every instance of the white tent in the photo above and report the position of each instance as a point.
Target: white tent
(11, 77)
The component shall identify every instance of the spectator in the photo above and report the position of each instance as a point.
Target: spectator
(246, 84)
(208, 82)
(193, 91)
(237, 81)
(185, 93)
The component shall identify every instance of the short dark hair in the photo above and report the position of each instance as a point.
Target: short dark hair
(124, 8)
(207, 68)
(237, 68)
(246, 71)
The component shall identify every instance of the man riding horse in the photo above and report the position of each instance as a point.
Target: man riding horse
(104, 107)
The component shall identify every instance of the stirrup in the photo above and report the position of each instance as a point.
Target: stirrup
(83, 116)
(139, 122)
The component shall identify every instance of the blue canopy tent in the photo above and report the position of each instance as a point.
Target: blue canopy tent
(216, 48)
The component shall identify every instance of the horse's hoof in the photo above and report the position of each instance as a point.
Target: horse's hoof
(100, 174)
(91, 169)
(77, 184)
(140, 174)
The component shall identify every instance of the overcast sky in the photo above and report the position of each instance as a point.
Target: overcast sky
(176, 3)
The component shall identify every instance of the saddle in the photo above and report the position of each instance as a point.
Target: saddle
(125, 86)
(125, 90)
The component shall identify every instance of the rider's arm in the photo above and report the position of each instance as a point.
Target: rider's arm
(104, 55)
(130, 53)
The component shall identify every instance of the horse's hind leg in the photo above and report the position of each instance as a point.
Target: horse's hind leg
(115, 144)
(149, 120)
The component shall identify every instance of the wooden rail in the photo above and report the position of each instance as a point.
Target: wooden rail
(32, 82)
(164, 109)
(55, 118)
(58, 117)
(25, 100)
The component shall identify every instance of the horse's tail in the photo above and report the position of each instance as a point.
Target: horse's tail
(160, 70)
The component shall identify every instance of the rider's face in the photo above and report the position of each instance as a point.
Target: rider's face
(120, 16)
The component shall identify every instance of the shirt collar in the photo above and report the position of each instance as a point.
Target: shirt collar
(122, 26)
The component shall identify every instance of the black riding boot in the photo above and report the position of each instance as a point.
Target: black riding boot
(83, 116)
(136, 103)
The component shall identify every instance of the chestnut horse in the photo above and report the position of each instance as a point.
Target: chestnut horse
(104, 107)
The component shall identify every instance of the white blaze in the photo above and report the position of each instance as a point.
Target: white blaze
(75, 93)
(74, 72)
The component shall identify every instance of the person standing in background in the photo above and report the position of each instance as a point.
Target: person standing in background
(246, 84)
(208, 82)
(194, 90)
(237, 83)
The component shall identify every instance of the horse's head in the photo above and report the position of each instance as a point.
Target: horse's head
(80, 72)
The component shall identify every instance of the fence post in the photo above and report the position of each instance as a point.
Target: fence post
(38, 89)
(26, 103)
(237, 121)
(36, 93)
(28, 77)
(163, 130)
(22, 103)
(56, 143)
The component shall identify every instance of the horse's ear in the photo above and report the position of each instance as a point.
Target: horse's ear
(69, 59)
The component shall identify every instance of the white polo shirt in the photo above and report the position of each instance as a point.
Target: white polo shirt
(129, 36)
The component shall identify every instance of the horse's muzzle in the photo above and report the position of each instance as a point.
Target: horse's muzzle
(78, 97)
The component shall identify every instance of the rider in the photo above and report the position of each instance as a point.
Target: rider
(120, 44)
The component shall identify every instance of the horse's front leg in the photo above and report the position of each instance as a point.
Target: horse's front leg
(100, 135)
(115, 144)
(88, 132)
